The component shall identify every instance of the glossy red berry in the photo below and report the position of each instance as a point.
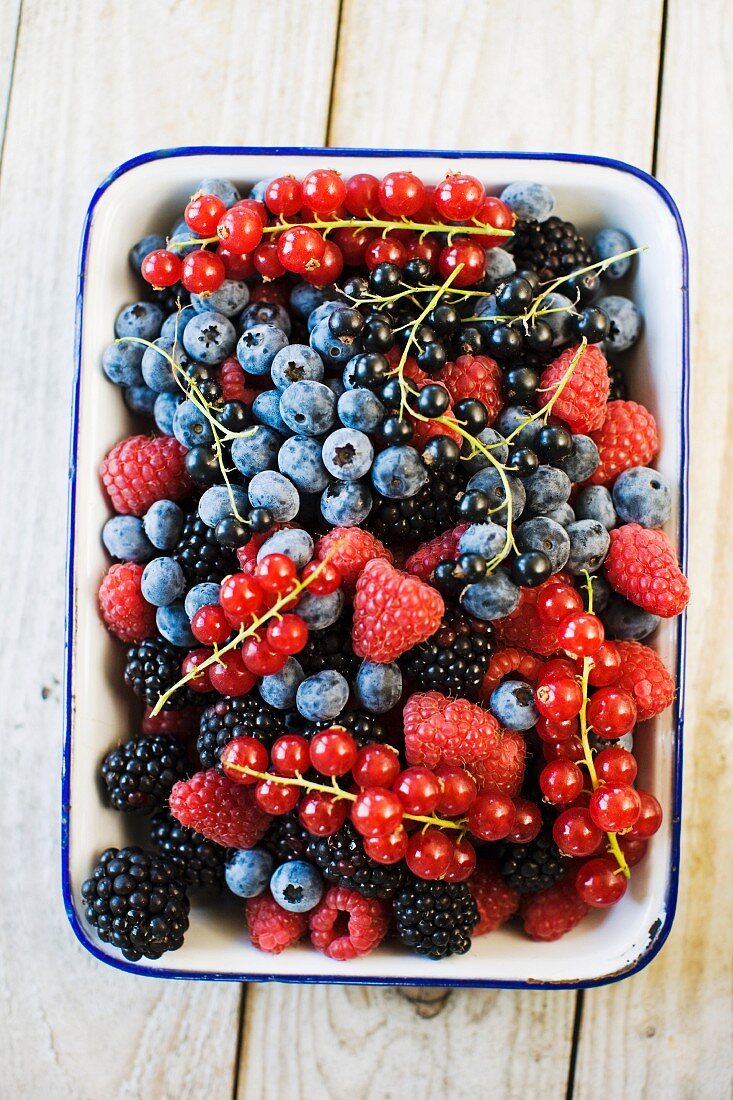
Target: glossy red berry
(236, 266)
(376, 766)
(497, 215)
(557, 666)
(202, 214)
(418, 790)
(202, 272)
(244, 752)
(615, 765)
(550, 730)
(387, 849)
(323, 190)
(491, 816)
(463, 861)
(255, 207)
(241, 597)
(266, 260)
(527, 822)
(614, 807)
(240, 229)
(649, 819)
(458, 790)
(260, 659)
(561, 781)
(326, 577)
(427, 249)
(322, 814)
(376, 811)
(599, 883)
(329, 269)
(611, 712)
(284, 196)
(276, 798)
(557, 601)
(362, 195)
(466, 254)
(458, 198)
(569, 749)
(429, 853)
(229, 676)
(575, 833)
(581, 633)
(287, 635)
(605, 665)
(384, 250)
(300, 249)
(634, 850)
(401, 194)
(289, 755)
(201, 681)
(333, 751)
(559, 698)
(210, 625)
(161, 268)
(275, 573)
(352, 244)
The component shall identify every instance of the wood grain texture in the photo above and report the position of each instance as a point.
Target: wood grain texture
(92, 87)
(364, 1042)
(668, 1032)
(499, 75)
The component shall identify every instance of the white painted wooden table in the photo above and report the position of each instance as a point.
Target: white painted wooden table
(82, 87)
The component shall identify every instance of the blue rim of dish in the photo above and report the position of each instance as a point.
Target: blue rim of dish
(659, 935)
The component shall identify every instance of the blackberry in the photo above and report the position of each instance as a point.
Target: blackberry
(137, 902)
(454, 659)
(422, 517)
(550, 248)
(286, 838)
(435, 918)
(226, 719)
(139, 774)
(330, 648)
(199, 554)
(342, 860)
(154, 666)
(364, 727)
(199, 861)
(619, 390)
(534, 866)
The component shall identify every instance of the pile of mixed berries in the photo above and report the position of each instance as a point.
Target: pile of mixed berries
(385, 568)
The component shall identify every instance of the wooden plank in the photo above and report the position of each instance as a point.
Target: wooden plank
(549, 75)
(667, 1032)
(9, 16)
(91, 88)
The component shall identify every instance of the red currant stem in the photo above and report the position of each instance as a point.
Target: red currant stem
(244, 633)
(333, 788)
(378, 223)
(500, 319)
(587, 751)
(600, 266)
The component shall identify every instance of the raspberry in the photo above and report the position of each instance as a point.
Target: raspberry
(178, 723)
(272, 928)
(582, 403)
(220, 810)
(504, 661)
(474, 376)
(140, 470)
(392, 612)
(126, 613)
(524, 628)
(426, 429)
(367, 924)
(439, 730)
(628, 437)
(642, 566)
(551, 913)
(422, 561)
(233, 382)
(644, 676)
(350, 548)
(495, 900)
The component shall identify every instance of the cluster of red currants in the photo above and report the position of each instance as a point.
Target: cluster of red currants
(267, 595)
(305, 228)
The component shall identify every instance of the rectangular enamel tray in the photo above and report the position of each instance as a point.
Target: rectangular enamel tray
(145, 195)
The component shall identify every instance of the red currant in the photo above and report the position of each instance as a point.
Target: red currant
(203, 213)
(240, 229)
(352, 244)
(284, 196)
(266, 260)
(527, 822)
(557, 601)
(633, 850)
(202, 272)
(401, 194)
(384, 250)
(458, 790)
(614, 807)
(599, 883)
(300, 249)
(236, 266)
(549, 730)
(427, 249)
(276, 798)
(557, 666)
(495, 213)
(327, 580)
(559, 699)
(561, 781)
(491, 816)
(276, 573)
(241, 597)
(230, 677)
(575, 834)
(362, 195)
(322, 814)
(201, 681)
(210, 625)
(581, 633)
(387, 849)
(243, 752)
(429, 853)
(161, 268)
(458, 198)
(376, 811)
(649, 819)
(376, 766)
(255, 207)
(331, 266)
(418, 790)
(272, 291)
(287, 635)
(611, 712)
(323, 190)
(471, 257)
(569, 749)
(463, 861)
(290, 755)
(605, 665)
(615, 765)
(260, 659)
(333, 751)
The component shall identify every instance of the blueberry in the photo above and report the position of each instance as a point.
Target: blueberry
(545, 535)
(499, 265)
(347, 454)
(361, 409)
(200, 596)
(493, 442)
(295, 363)
(512, 704)
(379, 687)
(589, 543)
(493, 598)
(642, 496)
(164, 410)
(183, 240)
(627, 622)
(486, 539)
(583, 460)
(610, 242)
(561, 321)
(294, 543)
(322, 697)
(320, 612)
(598, 744)
(275, 492)
(304, 299)
(163, 523)
(489, 481)
(209, 338)
(151, 243)
(256, 451)
(624, 322)
(247, 871)
(141, 319)
(229, 299)
(223, 189)
(602, 592)
(510, 419)
(257, 190)
(399, 473)
(121, 364)
(190, 427)
(266, 407)
(279, 689)
(297, 886)
(266, 313)
(174, 625)
(529, 199)
(346, 503)
(215, 504)
(156, 367)
(300, 459)
(140, 399)
(124, 538)
(563, 514)
(547, 489)
(336, 350)
(595, 502)
(321, 313)
(162, 582)
(308, 408)
(336, 386)
(175, 323)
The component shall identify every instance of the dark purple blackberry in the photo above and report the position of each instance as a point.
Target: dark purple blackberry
(330, 648)
(422, 517)
(286, 838)
(199, 554)
(342, 860)
(364, 727)
(137, 902)
(199, 861)
(551, 248)
(435, 918)
(154, 666)
(139, 774)
(619, 389)
(226, 719)
(454, 659)
(534, 866)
